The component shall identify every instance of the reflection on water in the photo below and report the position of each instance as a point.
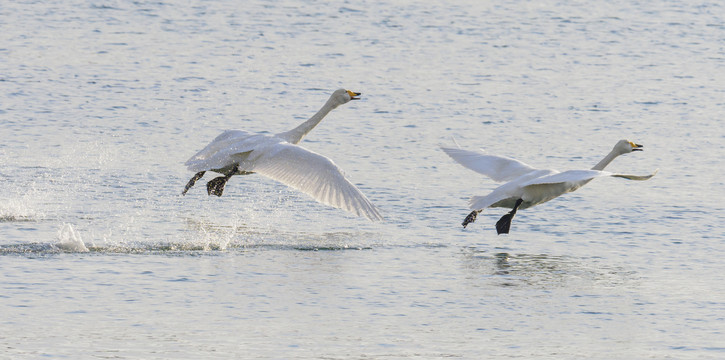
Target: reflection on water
(502, 263)
(539, 270)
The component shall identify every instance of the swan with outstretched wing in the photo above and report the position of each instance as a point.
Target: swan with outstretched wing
(527, 186)
(278, 157)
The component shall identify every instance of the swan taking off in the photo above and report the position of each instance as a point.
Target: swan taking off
(526, 186)
(238, 152)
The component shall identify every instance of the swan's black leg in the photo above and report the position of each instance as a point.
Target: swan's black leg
(471, 217)
(192, 181)
(216, 186)
(503, 225)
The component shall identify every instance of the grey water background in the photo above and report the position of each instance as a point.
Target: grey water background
(102, 101)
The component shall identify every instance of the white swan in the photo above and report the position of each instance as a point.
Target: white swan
(238, 152)
(527, 186)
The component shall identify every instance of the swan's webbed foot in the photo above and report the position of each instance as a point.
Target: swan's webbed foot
(193, 180)
(503, 225)
(216, 186)
(470, 218)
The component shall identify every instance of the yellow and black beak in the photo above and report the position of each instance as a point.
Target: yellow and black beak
(636, 147)
(353, 95)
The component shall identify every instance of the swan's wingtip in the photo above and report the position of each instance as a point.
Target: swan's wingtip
(375, 216)
(651, 175)
(444, 147)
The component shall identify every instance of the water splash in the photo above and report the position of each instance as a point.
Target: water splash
(19, 209)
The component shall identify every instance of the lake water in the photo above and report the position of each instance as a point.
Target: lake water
(102, 101)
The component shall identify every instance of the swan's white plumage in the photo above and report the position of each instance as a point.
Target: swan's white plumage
(533, 186)
(577, 176)
(276, 157)
(569, 176)
(314, 175)
(224, 149)
(498, 168)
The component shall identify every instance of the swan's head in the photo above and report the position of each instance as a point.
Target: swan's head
(626, 146)
(342, 96)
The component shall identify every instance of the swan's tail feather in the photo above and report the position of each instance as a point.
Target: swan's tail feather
(479, 202)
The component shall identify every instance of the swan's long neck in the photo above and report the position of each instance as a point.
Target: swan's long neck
(607, 159)
(295, 135)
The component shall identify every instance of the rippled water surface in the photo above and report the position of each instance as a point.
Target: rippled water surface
(101, 102)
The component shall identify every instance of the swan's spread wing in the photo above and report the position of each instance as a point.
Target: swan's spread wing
(498, 168)
(220, 152)
(570, 176)
(314, 175)
(636, 177)
(231, 135)
(576, 176)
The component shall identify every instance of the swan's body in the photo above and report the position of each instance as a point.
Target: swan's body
(526, 186)
(238, 152)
